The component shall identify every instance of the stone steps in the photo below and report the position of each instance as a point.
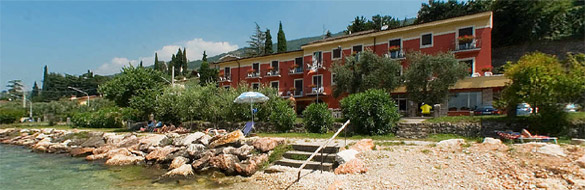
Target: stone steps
(302, 151)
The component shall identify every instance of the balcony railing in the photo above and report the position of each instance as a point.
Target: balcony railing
(273, 73)
(314, 90)
(223, 79)
(467, 45)
(398, 54)
(296, 70)
(254, 75)
(298, 92)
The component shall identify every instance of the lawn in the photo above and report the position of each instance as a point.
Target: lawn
(434, 137)
(464, 119)
(61, 127)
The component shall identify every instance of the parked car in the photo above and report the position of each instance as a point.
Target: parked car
(571, 108)
(486, 110)
(523, 109)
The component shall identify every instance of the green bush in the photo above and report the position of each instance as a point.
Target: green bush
(103, 118)
(317, 118)
(10, 115)
(371, 113)
(282, 116)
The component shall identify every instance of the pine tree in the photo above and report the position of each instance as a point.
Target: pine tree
(256, 42)
(204, 57)
(156, 63)
(281, 42)
(328, 34)
(35, 90)
(206, 74)
(268, 44)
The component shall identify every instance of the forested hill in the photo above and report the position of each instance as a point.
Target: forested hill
(291, 45)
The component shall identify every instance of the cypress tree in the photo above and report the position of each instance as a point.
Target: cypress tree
(204, 57)
(35, 90)
(45, 79)
(185, 61)
(268, 43)
(171, 64)
(281, 43)
(140, 65)
(156, 64)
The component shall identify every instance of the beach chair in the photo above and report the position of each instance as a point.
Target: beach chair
(527, 136)
(248, 128)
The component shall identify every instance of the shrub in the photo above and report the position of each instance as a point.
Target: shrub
(317, 118)
(10, 115)
(371, 113)
(103, 118)
(282, 116)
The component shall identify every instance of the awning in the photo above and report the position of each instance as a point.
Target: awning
(472, 82)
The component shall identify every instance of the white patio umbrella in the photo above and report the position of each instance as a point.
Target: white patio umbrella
(251, 97)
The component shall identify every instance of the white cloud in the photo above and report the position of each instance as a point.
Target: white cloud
(194, 47)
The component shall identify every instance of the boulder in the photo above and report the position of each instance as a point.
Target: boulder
(81, 152)
(94, 141)
(189, 139)
(489, 140)
(58, 148)
(345, 156)
(224, 162)
(242, 152)
(250, 166)
(226, 139)
(47, 130)
(267, 144)
(576, 141)
(205, 139)
(128, 141)
(552, 149)
(161, 154)
(581, 161)
(195, 150)
(451, 143)
(122, 160)
(42, 145)
(352, 167)
(203, 161)
(184, 170)
(363, 145)
(153, 140)
(178, 162)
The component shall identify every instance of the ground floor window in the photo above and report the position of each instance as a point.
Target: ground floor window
(464, 101)
(401, 102)
(255, 86)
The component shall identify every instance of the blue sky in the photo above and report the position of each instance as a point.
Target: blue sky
(102, 36)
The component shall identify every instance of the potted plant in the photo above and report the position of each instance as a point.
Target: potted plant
(393, 48)
(465, 39)
(312, 86)
(486, 69)
(221, 74)
(251, 71)
(292, 89)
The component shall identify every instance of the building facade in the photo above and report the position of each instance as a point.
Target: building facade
(467, 37)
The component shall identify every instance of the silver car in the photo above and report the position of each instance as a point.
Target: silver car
(523, 109)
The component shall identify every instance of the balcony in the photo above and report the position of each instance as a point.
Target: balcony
(467, 44)
(314, 90)
(296, 70)
(273, 73)
(254, 75)
(297, 92)
(225, 79)
(397, 54)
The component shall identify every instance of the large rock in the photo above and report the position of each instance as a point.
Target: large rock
(203, 161)
(224, 162)
(581, 161)
(113, 138)
(58, 148)
(184, 170)
(451, 143)
(345, 156)
(352, 167)
(81, 152)
(205, 139)
(195, 150)
(107, 152)
(189, 139)
(489, 140)
(128, 141)
(552, 149)
(153, 140)
(250, 166)
(267, 144)
(363, 145)
(226, 139)
(242, 152)
(178, 162)
(94, 141)
(122, 160)
(42, 145)
(161, 154)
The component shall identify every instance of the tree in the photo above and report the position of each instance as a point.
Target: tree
(185, 62)
(45, 78)
(15, 87)
(157, 65)
(35, 91)
(140, 65)
(438, 10)
(328, 34)
(179, 62)
(372, 112)
(206, 74)
(362, 24)
(358, 24)
(256, 42)
(429, 77)
(268, 44)
(367, 72)
(281, 41)
(135, 87)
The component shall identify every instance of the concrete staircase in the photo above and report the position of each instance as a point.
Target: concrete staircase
(301, 152)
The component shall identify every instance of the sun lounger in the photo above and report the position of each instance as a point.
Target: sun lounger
(248, 128)
(525, 136)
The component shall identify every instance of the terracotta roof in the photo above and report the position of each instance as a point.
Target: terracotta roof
(256, 56)
(472, 82)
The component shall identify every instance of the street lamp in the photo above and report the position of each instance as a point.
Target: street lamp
(86, 94)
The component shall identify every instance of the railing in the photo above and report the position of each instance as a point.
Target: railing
(321, 147)
(272, 73)
(315, 90)
(254, 74)
(298, 92)
(398, 54)
(296, 70)
(222, 79)
(475, 43)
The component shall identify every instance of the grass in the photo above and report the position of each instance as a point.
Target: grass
(440, 137)
(326, 136)
(464, 119)
(60, 127)
(299, 157)
(576, 117)
(390, 143)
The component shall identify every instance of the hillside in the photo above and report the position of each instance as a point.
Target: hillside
(291, 45)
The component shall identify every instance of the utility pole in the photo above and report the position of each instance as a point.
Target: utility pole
(86, 94)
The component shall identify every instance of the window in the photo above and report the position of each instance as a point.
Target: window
(336, 53)
(394, 43)
(470, 66)
(274, 84)
(394, 48)
(255, 86)
(332, 78)
(298, 87)
(299, 61)
(256, 67)
(317, 57)
(318, 80)
(227, 72)
(357, 49)
(464, 101)
(426, 40)
(466, 31)
(274, 65)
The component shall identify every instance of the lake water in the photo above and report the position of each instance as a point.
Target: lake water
(22, 169)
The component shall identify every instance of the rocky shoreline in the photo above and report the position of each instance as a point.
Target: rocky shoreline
(182, 154)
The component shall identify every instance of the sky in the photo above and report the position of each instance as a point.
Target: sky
(73, 37)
